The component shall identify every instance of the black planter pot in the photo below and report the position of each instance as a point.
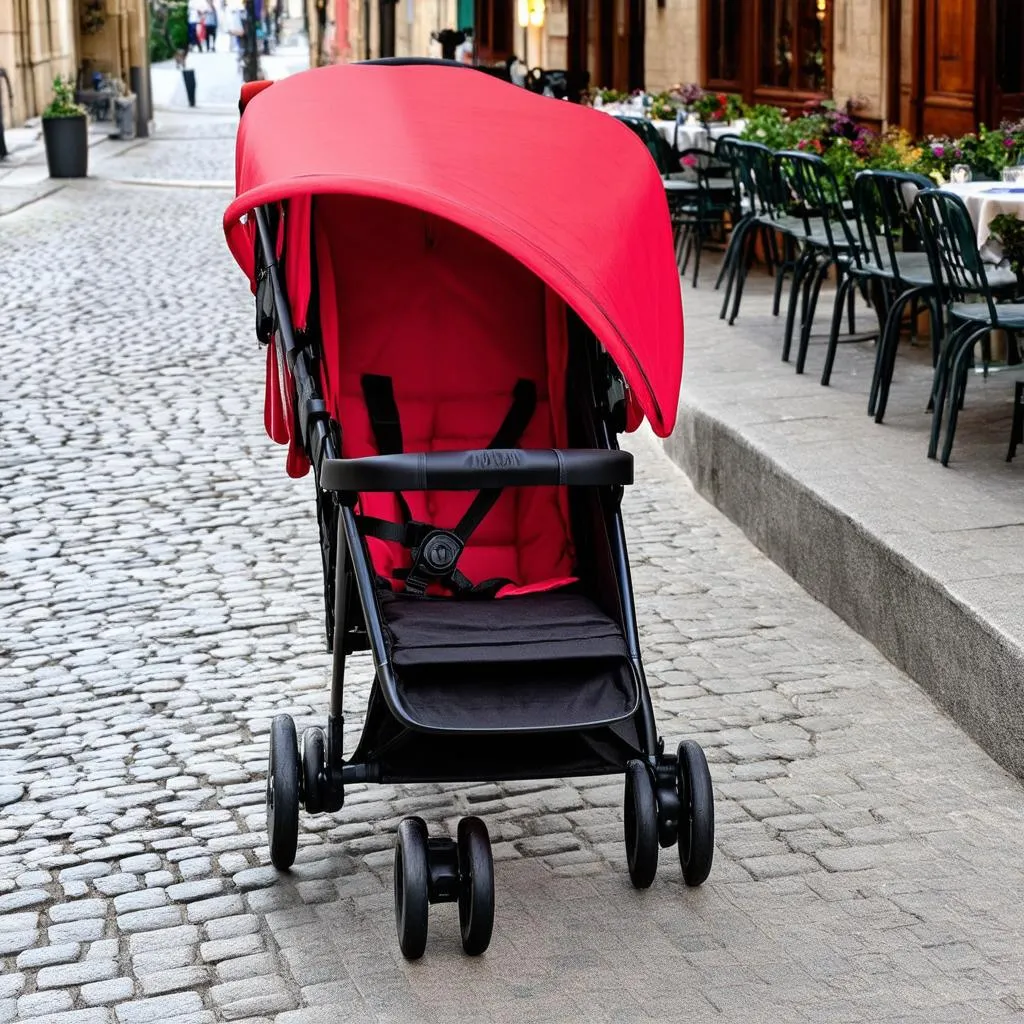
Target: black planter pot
(67, 146)
(190, 85)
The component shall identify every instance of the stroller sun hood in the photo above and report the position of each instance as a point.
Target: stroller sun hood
(588, 216)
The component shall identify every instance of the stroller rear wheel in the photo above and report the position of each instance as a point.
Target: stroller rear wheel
(283, 793)
(476, 886)
(640, 820)
(412, 887)
(697, 814)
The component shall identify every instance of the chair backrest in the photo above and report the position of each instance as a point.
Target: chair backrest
(883, 201)
(818, 198)
(656, 145)
(952, 246)
(757, 176)
(729, 153)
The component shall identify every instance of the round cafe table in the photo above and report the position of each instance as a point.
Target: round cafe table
(985, 200)
(695, 136)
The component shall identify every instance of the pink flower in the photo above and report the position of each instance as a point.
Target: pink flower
(938, 151)
(688, 161)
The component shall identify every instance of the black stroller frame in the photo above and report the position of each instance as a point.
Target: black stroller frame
(668, 797)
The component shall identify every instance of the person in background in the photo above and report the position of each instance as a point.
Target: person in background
(193, 27)
(210, 24)
(464, 51)
(238, 29)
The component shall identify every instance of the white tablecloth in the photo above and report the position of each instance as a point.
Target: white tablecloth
(985, 200)
(695, 136)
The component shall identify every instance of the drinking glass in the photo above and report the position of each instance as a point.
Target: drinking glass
(961, 174)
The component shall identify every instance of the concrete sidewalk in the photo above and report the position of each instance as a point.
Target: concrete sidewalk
(926, 562)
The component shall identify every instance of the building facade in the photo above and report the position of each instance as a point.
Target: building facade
(40, 39)
(932, 66)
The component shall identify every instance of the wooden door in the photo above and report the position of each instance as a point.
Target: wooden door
(947, 87)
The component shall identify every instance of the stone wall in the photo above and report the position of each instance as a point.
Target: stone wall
(858, 54)
(672, 43)
(33, 50)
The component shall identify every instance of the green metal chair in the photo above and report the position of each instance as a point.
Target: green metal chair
(952, 248)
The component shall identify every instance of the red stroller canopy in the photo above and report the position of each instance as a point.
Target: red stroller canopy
(568, 192)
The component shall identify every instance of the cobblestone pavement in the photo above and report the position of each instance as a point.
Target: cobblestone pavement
(160, 602)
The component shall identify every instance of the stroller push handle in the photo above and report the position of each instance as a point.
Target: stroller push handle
(479, 469)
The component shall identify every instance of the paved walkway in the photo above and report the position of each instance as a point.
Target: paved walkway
(926, 561)
(161, 601)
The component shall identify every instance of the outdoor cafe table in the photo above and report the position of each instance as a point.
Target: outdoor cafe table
(985, 200)
(695, 136)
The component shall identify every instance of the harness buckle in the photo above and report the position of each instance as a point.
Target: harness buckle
(438, 553)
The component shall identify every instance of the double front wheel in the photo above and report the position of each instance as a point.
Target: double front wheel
(441, 870)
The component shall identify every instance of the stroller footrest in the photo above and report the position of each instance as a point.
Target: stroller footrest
(533, 663)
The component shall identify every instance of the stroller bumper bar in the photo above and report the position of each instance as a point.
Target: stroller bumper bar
(479, 469)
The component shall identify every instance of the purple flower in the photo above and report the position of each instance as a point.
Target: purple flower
(1008, 142)
(938, 151)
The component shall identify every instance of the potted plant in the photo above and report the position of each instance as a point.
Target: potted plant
(66, 133)
(1008, 231)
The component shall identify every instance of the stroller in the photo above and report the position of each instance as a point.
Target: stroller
(452, 347)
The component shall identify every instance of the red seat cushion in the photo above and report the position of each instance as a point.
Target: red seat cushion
(455, 324)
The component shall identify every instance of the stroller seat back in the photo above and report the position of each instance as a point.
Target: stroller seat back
(463, 349)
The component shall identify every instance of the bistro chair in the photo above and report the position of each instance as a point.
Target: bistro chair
(728, 152)
(703, 210)
(895, 274)
(770, 221)
(827, 241)
(952, 247)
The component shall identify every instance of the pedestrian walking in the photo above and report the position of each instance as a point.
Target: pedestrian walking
(193, 27)
(464, 51)
(210, 24)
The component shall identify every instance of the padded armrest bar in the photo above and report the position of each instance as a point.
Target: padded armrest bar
(479, 470)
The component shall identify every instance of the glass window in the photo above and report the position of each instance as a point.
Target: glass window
(723, 40)
(1010, 47)
(792, 48)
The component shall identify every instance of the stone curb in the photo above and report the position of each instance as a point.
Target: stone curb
(971, 668)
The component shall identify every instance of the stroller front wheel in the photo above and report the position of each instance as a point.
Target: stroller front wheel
(283, 793)
(314, 745)
(476, 888)
(697, 814)
(640, 821)
(412, 887)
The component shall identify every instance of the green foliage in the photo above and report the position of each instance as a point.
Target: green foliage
(1008, 231)
(168, 28)
(844, 162)
(663, 107)
(63, 103)
(768, 126)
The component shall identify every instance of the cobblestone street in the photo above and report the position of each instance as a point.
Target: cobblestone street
(161, 601)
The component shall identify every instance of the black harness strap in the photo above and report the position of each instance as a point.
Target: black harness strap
(379, 395)
(435, 551)
(524, 404)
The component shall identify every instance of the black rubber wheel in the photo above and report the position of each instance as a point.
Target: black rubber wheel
(476, 886)
(412, 887)
(696, 814)
(314, 748)
(283, 793)
(640, 820)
